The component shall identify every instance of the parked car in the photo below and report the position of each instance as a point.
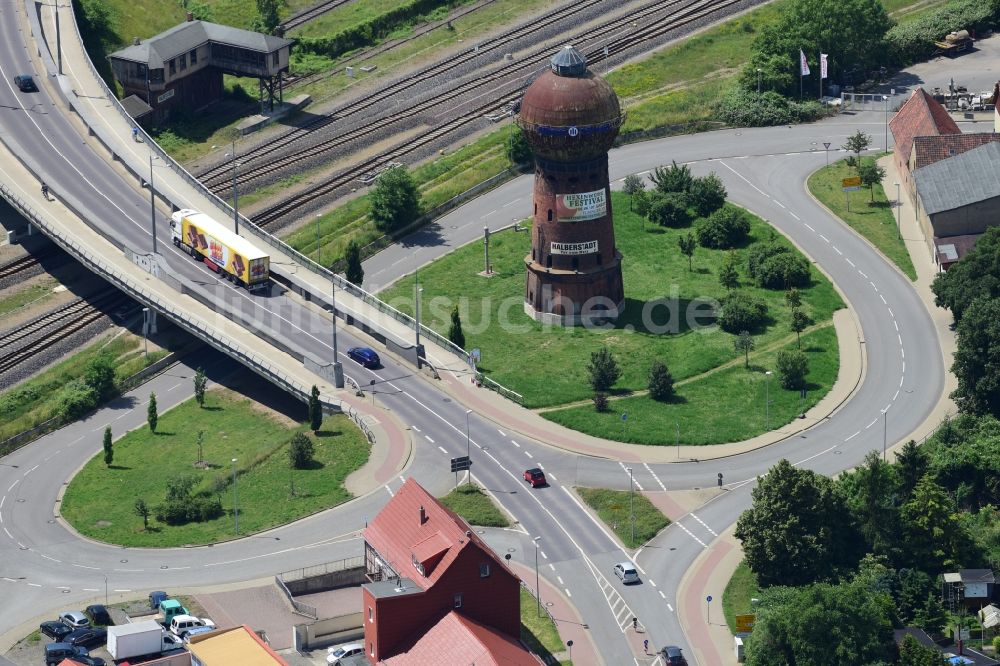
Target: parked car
(672, 656)
(87, 636)
(365, 356)
(54, 629)
(627, 573)
(196, 631)
(155, 598)
(74, 619)
(99, 615)
(338, 652)
(56, 652)
(182, 623)
(535, 477)
(25, 82)
(88, 660)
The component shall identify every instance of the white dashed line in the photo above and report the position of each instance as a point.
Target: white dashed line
(122, 590)
(873, 286)
(650, 470)
(779, 203)
(850, 262)
(704, 525)
(31, 470)
(515, 443)
(762, 192)
(825, 239)
(568, 593)
(8, 533)
(389, 490)
(853, 436)
(837, 250)
(13, 484)
(84, 566)
(895, 396)
(883, 298)
(443, 450)
(894, 323)
(428, 438)
(502, 433)
(652, 582)
(50, 558)
(527, 453)
(415, 428)
(900, 382)
(862, 273)
(690, 534)
(900, 338)
(559, 578)
(670, 607)
(891, 314)
(808, 227)
(33, 585)
(173, 387)
(90, 589)
(795, 216)
(9, 580)
(871, 424)
(552, 476)
(543, 554)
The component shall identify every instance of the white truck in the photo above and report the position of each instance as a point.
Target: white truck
(140, 639)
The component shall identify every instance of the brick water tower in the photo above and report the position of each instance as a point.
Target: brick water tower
(570, 118)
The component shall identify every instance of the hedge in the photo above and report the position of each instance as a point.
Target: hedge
(914, 41)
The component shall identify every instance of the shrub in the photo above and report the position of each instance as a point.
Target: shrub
(603, 370)
(914, 40)
(743, 108)
(742, 312)
(675, 178)
(668, 209)
(707, 194)
(77, 398)
(783, 271)
(760, 252)
(191, 510)
(661, 382)
(793, 366)
(725, 228)
(601, 402)
(300, 451)
(100, 375)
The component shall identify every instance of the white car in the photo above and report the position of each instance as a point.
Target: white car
(338, 652)
(626, 572)
(181, 624)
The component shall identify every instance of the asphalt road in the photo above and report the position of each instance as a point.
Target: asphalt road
(45, 567)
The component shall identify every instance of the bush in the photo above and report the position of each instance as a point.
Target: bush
(742, 312)
(661, 382)
(793, 366)
(675, 178)
(782, 271)
(913, 41)
(725, 228)
(100, 375)
(744, 108)
(395, 200)
(195, 509)
(77, 398)
(603, 370)
(668, 209)
(707, 194)
(759, 253)
(300, 451)
(601, 402)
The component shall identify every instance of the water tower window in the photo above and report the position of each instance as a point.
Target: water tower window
(548, 261)
(550, 214)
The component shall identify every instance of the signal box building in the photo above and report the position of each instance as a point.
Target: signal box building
(182, 68)
(436, 588)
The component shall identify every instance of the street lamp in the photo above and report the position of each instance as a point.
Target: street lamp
(236, 500)
(885, 427)
(105, 589)
(145, 331)
(468, 443)
(767, 401)
(236, 192)
(758, 80)
(538, 590)
(419, 291)
(338, 369)
(631, 502)
(899, 229)
(885, 98)
(152, 200)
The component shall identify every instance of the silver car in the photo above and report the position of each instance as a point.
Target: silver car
(74, 619)
(626, 572)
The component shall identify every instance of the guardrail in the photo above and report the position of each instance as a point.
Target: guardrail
(297, 606)
(322, 569)
(501, 389)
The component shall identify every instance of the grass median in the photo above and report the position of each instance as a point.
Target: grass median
(871, 213)
(470, 502)
(539, 632)
(613, 507)
(740, 589)
(99, 501)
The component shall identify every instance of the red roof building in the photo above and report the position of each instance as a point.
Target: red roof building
(919, 116)
(465, 641)
(425, 563)
(930, 149)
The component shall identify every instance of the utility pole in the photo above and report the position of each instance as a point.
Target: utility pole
(152, 199)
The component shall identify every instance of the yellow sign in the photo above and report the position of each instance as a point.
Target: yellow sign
(854, 181)
(744, 623)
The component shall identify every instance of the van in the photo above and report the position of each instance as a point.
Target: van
(55, 653)
(170, 608)
(181, 624)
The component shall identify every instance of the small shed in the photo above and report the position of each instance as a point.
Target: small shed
(973, 588)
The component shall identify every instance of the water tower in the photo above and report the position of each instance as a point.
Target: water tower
(570, 118)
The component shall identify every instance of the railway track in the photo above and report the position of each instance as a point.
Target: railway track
(19, 345)
(17, 266)
(308, 14)
(688, 13)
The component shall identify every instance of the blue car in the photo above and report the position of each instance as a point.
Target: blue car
(365, 356)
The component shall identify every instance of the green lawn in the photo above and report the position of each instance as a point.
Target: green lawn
(99, 501)
(548, 365)
(724, 406)
(540, 633)
(36, 293)
(37, 400)
(876, 220)
(612, 506)
(740, 589)
(471, 503)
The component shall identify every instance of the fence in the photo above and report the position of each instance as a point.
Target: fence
(868, 102)
(323, 569)
(297, 606)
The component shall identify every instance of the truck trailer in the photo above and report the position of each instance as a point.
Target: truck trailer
(221, 250)
(138, 639)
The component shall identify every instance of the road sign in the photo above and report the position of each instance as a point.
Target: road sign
(460, 464)
(826, 145)
(853, 181)
(744, 623)
(709, 598)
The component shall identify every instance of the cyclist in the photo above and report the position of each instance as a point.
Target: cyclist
(45, 191)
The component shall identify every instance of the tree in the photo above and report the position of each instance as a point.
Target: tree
(742, 312)
(977, 364)
(640, 203)
(729, 274)
(799, 322)
(871, 175)
(872, 491)
(601, 401)
(100, 376)
(793, 298)
(668, 209)
(911, 463)
(687, 245)
(142, 511)
(674, 178)
(632, 186)
(267, 16)
(725, 228)
(793, 366)
(109, 453)
(761, 252)
(744, 344)
(933, 532)
(300, 451)
(707, 194)
(517, 147)
(932, 618)
(661, 382)
(798, 529)
(200, 382)
(152, 416)
(783, 270)
(977, 274)
(315, 410)
(857, 143)
(395, 200)
(354, 273)
(603, 370)
(912, 653)
(455, 333)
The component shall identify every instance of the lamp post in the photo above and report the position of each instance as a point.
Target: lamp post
(758, 80)
(767, 401)
(885, 98)
(677, 437)
(236, 193)
(319, 249)
(631, 503)
(468, 443)
(152, 200)
(899, 229)
(538, 590)
(236, 500)
(338, 369)
(145, 331)
(419, 291)
(885, 428)
(105, 589)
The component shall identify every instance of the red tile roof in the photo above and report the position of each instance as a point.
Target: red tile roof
(920, 116)
(400, 535)
(931, 149)
(464, 641)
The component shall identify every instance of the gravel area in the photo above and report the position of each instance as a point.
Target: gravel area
(65, 347)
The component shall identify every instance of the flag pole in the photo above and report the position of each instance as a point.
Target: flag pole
(821, 76)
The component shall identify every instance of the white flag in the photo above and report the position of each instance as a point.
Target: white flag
(822, 65)
(804, 69)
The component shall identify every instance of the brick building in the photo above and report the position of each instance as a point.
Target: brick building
(920, 116)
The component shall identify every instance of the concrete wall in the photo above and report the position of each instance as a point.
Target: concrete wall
(340, 629)
(328, 581)
(972, 219)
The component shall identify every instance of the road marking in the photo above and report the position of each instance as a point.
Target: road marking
(552, 476)
(568, 593)
(123, 415)
(2, 500)
(795, 216)
(873, 286)
(895, 396)
(8, 533)
(34, 585)
(883, 298)
(704, 525)
(862, 274)
(552, 566)
(559, 578)
(428, 438)
(50, 558)
(9, 580)
(808, 227)
(670, 607)
(652, 582)
(634, 480)
(415, 428)
(650, 469)
(502, 433)
(122, 590)
(443, 450)
(850, 262)
(90, 589)
(871, 424)
(805, 460)
(891, 314)
(511, 203)
(837, 250)
(853, 436)
(681, 525)
(779, 203)
(527, 453)
(824, 238)
(13, 484)
(31, 470)
(84, 566)
(515, 443)
(543, 554)
(744, 178)
(902, 352)
(900, 338)
(896, 324)
(173, 387)
(900, 381)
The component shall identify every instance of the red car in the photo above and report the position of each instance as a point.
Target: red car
(535, 477)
